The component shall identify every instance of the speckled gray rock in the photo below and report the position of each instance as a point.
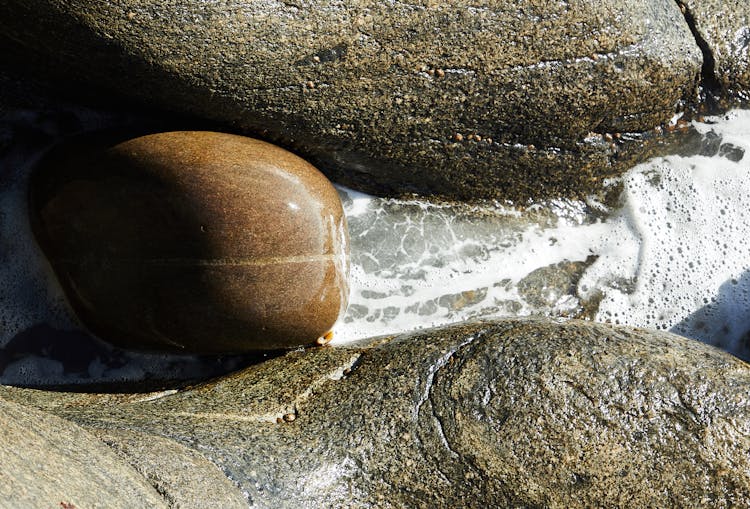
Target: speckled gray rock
(723, 28)
(500, 99)
(551, 287)
(516, 413)
(51, 463)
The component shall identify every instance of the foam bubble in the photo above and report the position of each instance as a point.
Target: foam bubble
(682, 240)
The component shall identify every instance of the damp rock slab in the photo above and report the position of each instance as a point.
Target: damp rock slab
(467, 100)
(531, 413)
(193, 242)
(50, 462)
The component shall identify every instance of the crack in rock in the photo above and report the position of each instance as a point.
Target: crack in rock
(709, 84)
(426, 392)
(293, 408)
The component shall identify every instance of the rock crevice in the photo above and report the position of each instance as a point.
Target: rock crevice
(711, 89)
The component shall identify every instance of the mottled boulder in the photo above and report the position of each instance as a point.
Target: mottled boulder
(194, 242)
(51, 463)
(500, 99)
(723, 31)
(513, 413)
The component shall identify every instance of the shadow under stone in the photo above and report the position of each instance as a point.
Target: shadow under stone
(724, 320)
(74, 360)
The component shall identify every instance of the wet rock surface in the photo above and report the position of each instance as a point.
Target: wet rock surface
(468, 100)
(183, 476)
(723, 32)
(531, 413)
(194, 242)
(50, 462)
(553, 288)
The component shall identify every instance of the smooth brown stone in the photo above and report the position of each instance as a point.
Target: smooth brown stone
(194, 242)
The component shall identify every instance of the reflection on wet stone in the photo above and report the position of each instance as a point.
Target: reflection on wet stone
(459, 301)
(731, 152)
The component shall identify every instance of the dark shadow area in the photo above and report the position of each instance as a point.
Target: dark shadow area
(724, 321)
(43, 357)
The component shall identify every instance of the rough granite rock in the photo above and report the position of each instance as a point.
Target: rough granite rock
(467, 99)
(512, 413)
(51, 463)
(544, 287)
(183, 476)
(723, 31)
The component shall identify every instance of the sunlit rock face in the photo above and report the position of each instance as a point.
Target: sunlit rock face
(506, 413)
(194, 242)
(724, 30)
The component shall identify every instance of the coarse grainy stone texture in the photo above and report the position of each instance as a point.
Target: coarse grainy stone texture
(549, 288)
(511, 413)
(723, 30)
(467, 99)
(195, 242)
(183, 476)
(48, 462)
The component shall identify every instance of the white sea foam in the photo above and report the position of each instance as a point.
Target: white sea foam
(682, 241)
(416, 265)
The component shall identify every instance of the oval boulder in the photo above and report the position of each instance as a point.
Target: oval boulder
(194, 242)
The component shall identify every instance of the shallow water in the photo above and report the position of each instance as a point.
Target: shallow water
(674, 256)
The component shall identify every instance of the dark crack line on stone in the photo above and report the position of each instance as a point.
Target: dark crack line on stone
(709, 83)
(442, 361)
(441, 433)
(150, 478)
(685, 403)
(579, 389)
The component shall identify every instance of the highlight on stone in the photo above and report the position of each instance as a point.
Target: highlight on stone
(195, 242)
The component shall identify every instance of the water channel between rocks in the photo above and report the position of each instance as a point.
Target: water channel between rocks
(673, 256)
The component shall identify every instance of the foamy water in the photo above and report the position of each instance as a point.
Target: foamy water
(674, 256)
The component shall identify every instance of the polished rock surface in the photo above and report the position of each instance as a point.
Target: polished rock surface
(193, 242)
(532, 413)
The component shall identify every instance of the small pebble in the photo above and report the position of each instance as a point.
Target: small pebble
(325, 338)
